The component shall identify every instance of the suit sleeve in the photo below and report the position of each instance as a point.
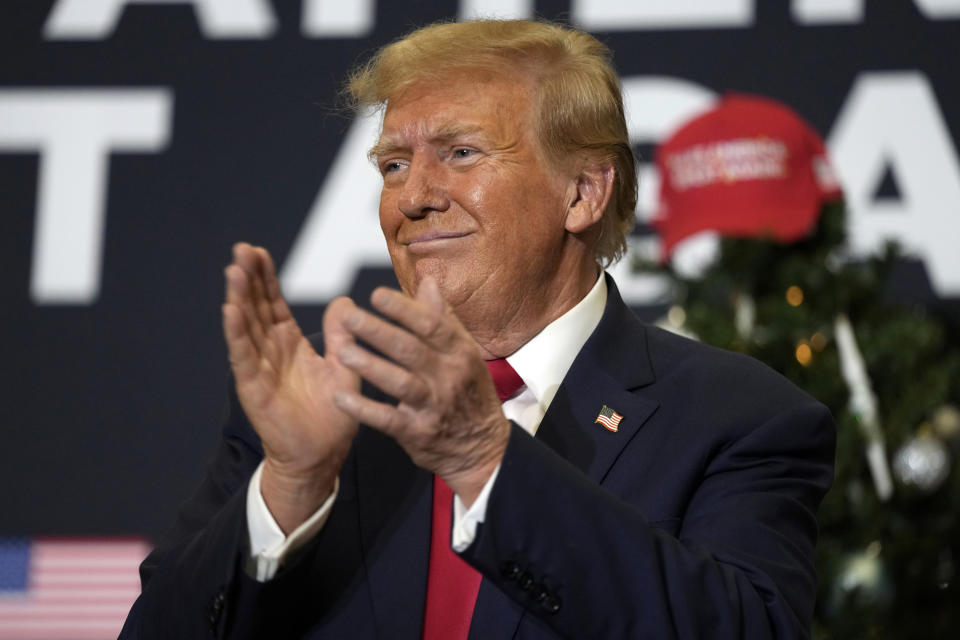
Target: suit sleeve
(194, 584)
(186, 580)
(733, 561)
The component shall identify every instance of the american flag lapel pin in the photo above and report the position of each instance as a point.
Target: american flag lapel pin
(609, 418)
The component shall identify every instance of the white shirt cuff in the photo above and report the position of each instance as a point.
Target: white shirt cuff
(465, 520)
(268, 546)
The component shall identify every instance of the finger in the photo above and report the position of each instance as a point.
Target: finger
(335, 334)
(381, 416)
(396, 343)
(238, 294)
(413, 314)
(387, 376)
(429, 294)
(248, 258)
(279, 307)
(264, 303)
(273, 346)
(244, 357)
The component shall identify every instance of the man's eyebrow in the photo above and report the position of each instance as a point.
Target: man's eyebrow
(453, 130)
(443, 133)
(381, 148)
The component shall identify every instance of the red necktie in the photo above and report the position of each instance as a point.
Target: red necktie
(452, 584)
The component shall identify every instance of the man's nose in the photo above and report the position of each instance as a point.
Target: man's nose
(422, 192)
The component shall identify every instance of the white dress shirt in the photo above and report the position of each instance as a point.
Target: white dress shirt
(541, 363)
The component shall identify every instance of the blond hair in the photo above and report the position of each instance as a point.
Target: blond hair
(580, 105)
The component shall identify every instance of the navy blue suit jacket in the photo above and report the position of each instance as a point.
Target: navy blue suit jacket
(696, 519)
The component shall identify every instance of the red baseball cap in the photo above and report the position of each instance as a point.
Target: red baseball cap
(748, 167)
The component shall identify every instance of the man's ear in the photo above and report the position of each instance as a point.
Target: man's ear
(593, 190)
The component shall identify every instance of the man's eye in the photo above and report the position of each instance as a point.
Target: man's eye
(463, 152)
(390, 167)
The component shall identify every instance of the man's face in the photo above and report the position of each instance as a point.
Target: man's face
(467, 194)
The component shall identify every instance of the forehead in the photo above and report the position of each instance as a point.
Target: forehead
(488, 104)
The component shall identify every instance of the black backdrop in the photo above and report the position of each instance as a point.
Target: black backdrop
(113, 366)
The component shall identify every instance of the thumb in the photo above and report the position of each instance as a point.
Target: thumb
(335, 335)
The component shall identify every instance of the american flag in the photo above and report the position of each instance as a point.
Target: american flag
(609, 418)
(67, 588)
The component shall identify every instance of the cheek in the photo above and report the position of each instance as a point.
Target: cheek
(469, 201)
(389, 215)
(390, 220)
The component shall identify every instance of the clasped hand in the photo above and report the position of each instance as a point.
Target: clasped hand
(305, 407)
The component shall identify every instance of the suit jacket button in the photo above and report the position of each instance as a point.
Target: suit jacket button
(510, 570)
(525, 581)
(216, 608)
(550, 604)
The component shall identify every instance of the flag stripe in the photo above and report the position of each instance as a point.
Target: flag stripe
(65, 562)
(51, 625)
(608, 425)
(70, 594)
(75, 611)
(64, 579)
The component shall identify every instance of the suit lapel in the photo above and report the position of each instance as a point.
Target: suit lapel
(612, 364)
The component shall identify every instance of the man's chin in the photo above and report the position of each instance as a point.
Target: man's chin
(451, 278)
(410, 273)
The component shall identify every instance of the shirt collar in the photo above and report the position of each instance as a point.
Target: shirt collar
(543, 362)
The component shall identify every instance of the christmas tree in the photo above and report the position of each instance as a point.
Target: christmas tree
(888, 556)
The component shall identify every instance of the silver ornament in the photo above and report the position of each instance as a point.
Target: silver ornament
(923, 463)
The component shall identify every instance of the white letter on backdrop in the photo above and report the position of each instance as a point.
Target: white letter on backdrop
(97, 19)
(892, 120)
(513, 9)
(827, 11)
(337, 19)
(939, 9)
(630, 15)
(74, 131)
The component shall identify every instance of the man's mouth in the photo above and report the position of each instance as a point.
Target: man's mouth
(433, 239)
